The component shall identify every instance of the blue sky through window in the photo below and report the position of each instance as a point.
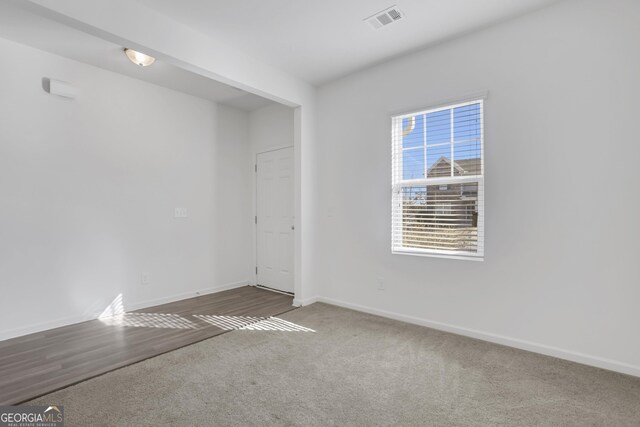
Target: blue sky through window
(466, 138)
(439, 127)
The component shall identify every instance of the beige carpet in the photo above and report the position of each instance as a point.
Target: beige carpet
(353, 370)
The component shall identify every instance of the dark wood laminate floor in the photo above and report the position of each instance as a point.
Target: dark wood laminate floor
(36, 364)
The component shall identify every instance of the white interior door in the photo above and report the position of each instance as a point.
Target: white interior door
(275, 219)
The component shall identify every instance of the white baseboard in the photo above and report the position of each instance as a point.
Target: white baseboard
(585, 359)
(184, 295)
(302, 302)
(45, 326)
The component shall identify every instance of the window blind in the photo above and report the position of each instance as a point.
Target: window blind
(438, 181)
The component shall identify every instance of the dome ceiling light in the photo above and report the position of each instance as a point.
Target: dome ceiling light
(139, 58)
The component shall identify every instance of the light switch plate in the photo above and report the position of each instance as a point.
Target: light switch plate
(180, 213)
(145, 278)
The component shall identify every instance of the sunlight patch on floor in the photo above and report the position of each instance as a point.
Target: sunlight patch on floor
(228, 323)
(116, 307)
(232, 323)
(114, 315)
(276, 324)
(149, 320)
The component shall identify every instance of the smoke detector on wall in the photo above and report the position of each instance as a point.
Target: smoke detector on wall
(385, 17)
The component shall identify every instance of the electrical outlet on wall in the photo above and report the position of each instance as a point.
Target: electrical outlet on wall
(145, 278)
(180, 213)
(381, 283)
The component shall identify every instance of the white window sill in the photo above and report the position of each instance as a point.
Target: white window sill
(437, 254)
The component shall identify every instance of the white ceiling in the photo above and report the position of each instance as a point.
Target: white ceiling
(318, 40)
(24, 27)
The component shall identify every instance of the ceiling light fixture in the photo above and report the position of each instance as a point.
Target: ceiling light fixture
(139, 58)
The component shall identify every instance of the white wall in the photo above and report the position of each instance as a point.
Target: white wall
(88, 189)
(169, 40)
(233, 181)
(270, 128)
(561, 270)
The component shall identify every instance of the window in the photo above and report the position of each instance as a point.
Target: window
(438, 182)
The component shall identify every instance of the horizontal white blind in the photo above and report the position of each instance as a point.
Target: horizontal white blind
(438, 185)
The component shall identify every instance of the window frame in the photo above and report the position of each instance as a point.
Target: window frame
(398, 184)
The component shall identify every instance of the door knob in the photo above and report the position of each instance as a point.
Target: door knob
(293, 227)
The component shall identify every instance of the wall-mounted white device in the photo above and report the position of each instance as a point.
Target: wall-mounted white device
(57, 87)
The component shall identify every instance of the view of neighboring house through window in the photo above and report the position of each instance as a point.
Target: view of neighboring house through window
(438, 181)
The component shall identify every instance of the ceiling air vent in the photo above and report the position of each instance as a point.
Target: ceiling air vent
(385, 17)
